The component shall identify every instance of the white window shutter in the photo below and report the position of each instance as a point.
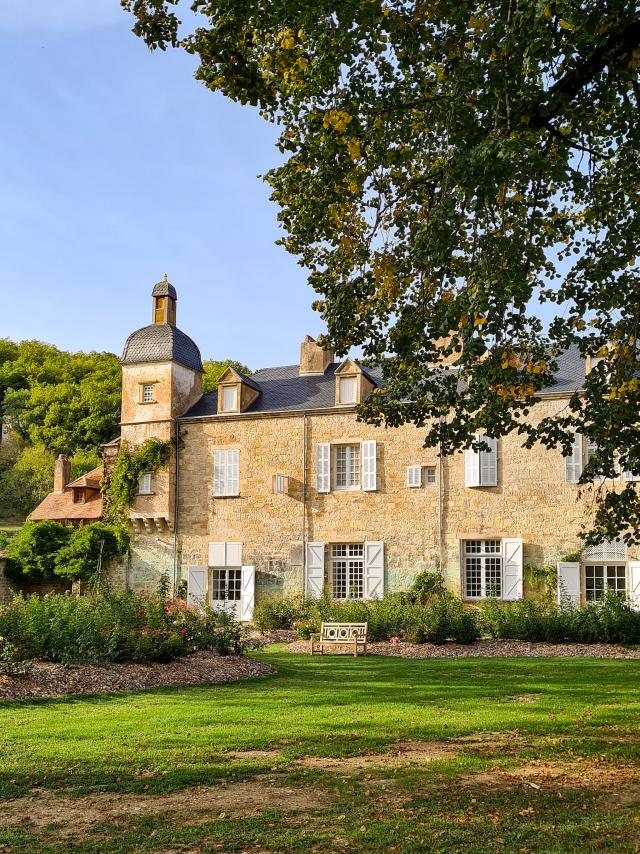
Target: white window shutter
(219, 471)
(569, 583)
(197, 586)
(369, 468)
(217, 554)
(634, 584)
(573, 463)
(233, 472)
(489, 462)
(314, 570)
(471, 467)
(373, 570)
(512, 568)
(630, 477)
(323, 467)
(414, 476)
(248, 593)
(233, 554)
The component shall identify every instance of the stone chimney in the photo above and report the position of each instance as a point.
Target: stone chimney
(313, 359)
(62, 474)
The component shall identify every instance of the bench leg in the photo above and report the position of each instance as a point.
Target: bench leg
(355, 647)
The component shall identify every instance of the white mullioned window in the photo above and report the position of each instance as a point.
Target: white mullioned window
(430, 475)
(147, 393)
(348, 389)
(347, 571)
(600, 579)
(229, 398)
(482, 569)
(145, 484)
(347, 466)
(226, 473)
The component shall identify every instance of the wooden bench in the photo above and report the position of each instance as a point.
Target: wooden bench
(353, 635)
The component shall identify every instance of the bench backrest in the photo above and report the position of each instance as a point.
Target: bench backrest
(343, 631)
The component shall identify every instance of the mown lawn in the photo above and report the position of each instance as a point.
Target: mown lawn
(531, 756)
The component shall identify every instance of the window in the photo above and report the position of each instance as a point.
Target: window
(145, 484)
(573, 462)
(159, 315)
(348, 389)
(482, 569)
(600, 580)
(78, 496)
(592, 449)
(347, 571)
(226, 585)
(414, 476)
(430, 475)
(226, 473)
(481, 467)
(229, 398)
(280, 484)
(347, 459)
(147, 393)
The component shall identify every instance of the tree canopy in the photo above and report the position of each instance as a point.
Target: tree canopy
(450, 167)
(215, 368)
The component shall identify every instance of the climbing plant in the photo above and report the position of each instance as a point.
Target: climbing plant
(123, 481)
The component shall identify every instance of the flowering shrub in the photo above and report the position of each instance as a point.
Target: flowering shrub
(118, 627)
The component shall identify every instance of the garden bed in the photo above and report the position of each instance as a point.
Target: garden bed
(489, 649)
(50, 680)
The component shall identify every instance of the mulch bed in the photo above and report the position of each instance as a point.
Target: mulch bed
(489, 649)
(52, 680)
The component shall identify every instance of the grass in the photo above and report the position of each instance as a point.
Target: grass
(575, 717)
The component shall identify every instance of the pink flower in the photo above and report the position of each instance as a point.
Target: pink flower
(394, 639)
(146, 630)
(141, 613)
(183, 632)
(169, 609)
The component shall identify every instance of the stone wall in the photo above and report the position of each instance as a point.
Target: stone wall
(532, 500)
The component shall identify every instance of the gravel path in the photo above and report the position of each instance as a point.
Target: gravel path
(51, 680)
(491, 649)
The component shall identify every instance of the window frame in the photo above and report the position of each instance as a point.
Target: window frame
(605, 566)
(341, 385)
(142, 479)
(483, 555)
(352, 466)
(228, 479)
(353, 559)
(230, 388)
(143, 392)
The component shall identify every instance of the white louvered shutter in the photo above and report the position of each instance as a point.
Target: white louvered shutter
(197, 586)
(314, 571)
(471, 468)
(573, 463)
(373, 570)
(233, 472)
(248, 593)
(219, 471)
(369, 469)
(569, 583)
(414, 476)
(489, 462)
(512, 569)
(634, 584)
(323, 467)
(630, 477)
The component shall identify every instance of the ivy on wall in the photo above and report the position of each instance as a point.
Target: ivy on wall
(122, 487)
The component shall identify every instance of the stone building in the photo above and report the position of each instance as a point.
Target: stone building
(274, 487)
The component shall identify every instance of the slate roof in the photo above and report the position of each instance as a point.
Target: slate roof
(161, 342)
(284, 390)
(164, 289)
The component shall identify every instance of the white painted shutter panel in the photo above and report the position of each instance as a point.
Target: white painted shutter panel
(314, 581)
(630, 477)
(634, 584)
(489, 463)
(217, 554)
(248, 593)
(513, 569)
(197, 586)
(219, 469)
(414, 476)
(369, 469)
(323, 467)
(233, 472)
(373, 570)
(569, 583)
(233, 554)
(471, 468)
(573, 463)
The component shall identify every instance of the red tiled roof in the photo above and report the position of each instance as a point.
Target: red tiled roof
(92, 479)
(60, 505)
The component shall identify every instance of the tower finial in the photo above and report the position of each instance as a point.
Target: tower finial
(166, 278)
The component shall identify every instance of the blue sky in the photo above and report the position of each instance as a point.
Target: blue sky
(117, 166)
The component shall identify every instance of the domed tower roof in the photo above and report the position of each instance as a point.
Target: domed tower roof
(161, 343)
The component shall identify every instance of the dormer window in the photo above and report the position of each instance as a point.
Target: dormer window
(348, 390)
(229, 398)
(78, 496)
